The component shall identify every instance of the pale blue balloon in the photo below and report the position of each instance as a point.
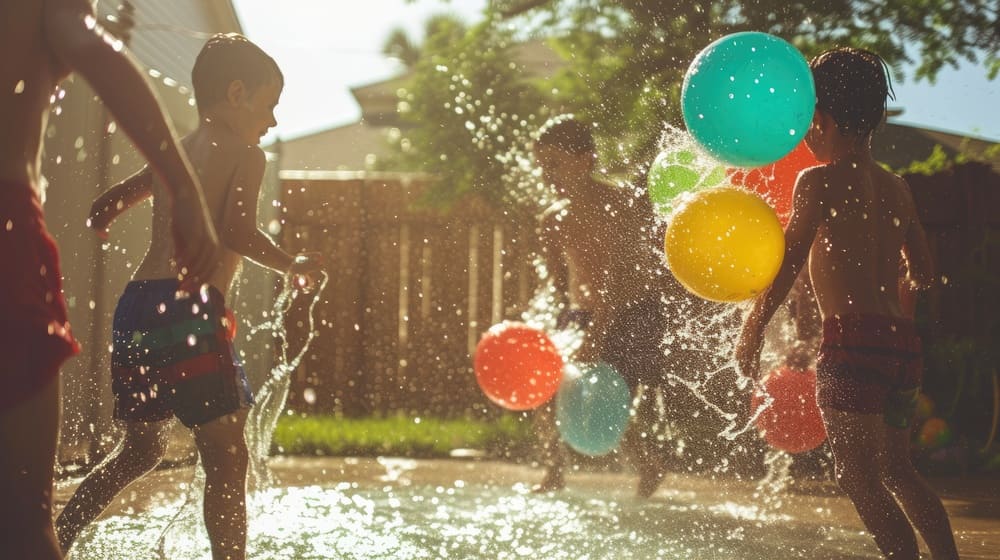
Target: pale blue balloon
(592, 408)
(748, 98)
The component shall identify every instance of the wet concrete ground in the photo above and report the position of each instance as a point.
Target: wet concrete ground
(972, 502)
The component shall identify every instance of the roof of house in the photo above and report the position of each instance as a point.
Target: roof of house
(350, 147)
(898, 145)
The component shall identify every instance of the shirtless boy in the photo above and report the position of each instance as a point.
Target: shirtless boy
(855, 221)
(173, 349)
(608, 278)
(43, 41)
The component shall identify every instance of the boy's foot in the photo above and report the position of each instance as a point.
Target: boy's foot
(553, 481)
(649, 481)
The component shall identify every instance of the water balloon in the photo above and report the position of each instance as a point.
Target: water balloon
(592, 408)
(748, 98)
(724, 244)
(792, 422)
(517, 366)
(676, 172)
(775, 182)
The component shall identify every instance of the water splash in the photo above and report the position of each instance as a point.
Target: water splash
(185, 532)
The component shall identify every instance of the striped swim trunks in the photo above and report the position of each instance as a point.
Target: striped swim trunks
(173, 355)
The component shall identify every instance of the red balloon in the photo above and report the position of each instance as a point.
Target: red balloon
(517, 366)
(775, 182)
(793, 422)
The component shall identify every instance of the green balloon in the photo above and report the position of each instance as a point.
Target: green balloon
(668, 178)
(715, 177)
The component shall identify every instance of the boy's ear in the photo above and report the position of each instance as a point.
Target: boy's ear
(236, 93)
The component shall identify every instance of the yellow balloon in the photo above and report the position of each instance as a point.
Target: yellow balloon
(724, 244)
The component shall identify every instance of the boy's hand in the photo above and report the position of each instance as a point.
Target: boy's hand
(304, 268)
(98, 221)
(748, 352)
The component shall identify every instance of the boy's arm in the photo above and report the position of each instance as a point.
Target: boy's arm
(76, 40)
(239, 223)
(119, 198)
(916, 251)
(555, 262)
(802, 225)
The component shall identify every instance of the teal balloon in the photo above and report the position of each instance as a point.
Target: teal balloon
(593, 409)
(748, 98)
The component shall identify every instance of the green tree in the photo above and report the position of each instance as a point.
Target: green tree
(627, 58)
(468, 112)
(625, 62)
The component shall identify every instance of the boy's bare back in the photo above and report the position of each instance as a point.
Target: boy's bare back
(604, 234)
(866, 221)
(225, 165)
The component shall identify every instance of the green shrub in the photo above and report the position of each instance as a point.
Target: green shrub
(399, 436)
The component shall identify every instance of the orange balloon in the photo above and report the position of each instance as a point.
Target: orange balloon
(793, 422)
(517, 366)
(776, 181)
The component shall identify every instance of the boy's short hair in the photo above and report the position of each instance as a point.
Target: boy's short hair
(225, 58)
(852, 86)
(567, 134)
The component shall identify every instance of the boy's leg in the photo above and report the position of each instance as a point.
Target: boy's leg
(642, 445)
(919, 501)
(29, 433)
(553, 452)
(222, 447)
(139, 452)
(860, 451)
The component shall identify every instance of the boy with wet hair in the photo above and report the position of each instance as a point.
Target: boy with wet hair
(44, 41)
(609, 281)
(856, 222)
(173, 349)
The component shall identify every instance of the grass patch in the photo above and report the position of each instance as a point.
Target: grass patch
(400, 436)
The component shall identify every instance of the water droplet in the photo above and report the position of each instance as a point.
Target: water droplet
(896, 222)
(192, 340)
(19, 87)
(833, 212)
(309, 395)
(944, 279)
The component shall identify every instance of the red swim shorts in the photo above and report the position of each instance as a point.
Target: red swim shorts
(35, 336)
(870, 364)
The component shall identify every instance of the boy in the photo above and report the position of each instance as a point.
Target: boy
(43, 41)
(172, 350)
(610, 280)
(855, 222)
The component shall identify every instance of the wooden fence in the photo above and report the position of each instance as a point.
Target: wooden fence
(960, 210)
(411, 291)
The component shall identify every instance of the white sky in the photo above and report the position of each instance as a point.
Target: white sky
(324, 47)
